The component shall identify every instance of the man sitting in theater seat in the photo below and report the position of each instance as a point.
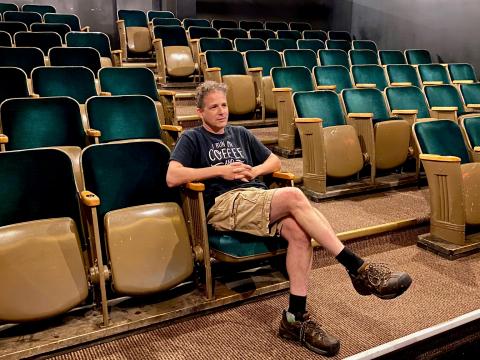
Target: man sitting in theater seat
(229, 160)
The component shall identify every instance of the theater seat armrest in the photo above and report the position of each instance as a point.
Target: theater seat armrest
(406, 83)
(360, 115)
(282, 89)
(173, 128)
(195, 186)
(3, 139)
(432, 82)
(308, 120)
(213, 69)
(89, 199)
(462, 82)
(189, 95)
(473, 106)
(166, 93)
(35, 96)
(255, 69)
(117, 52)
(441, 158)
(105, 93)
(366, 86)
(476, 149)
(445, 108)
(326, 87)
(87, 28)
(405, 112)
(93, 133)
(283, 175)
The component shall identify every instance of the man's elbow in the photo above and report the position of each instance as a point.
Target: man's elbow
(171, 181)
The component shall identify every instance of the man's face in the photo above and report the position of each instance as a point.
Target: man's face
(214, 113)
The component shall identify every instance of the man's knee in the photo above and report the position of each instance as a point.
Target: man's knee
(293, 196)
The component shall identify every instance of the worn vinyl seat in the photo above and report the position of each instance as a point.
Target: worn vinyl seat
(369, 76)
(312, 44)
(386, 140)
(173, 53)
(333, 57)
(135, 37)
(100, 42)
(402, 75)
(304, 57)
(330, 147)
(245, 92)
(41, 236)
(332, 77)
(452, 179)
(14, 83)
(140, 226)
(71, 20)
(433, 74)
(444, 102)
(265, 59)
(392, 57)
(287, 81)
(363, 57)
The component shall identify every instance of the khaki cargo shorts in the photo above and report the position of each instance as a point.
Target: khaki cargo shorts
(246, 210)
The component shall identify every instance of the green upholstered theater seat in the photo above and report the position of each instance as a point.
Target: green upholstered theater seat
(41, 9)
(195, 22)
(364, 75)
(135, 37)
(141, 222)
(391, 57)
(364, 45)
(407, 98)
(319, 104)
(281, 44)
(24, 58)
(123, 117)
(231, 62)
(433, 74)
(339, 35)
(299, 26)
(215, 44)
(12, 27)
(173, 53)
(97, 40)
(233, 33)
(71, 20)
(14, 83)
(42, 40)
(471, 125)
(76, 56)
(8, 7)
(197, 32)
(366, 101)
(363, 57)
(418, 56)
(276, 25)
(297, 78)
(315, 34)
(263, 34)
(26, 17)
(60, 29)
(332, 75)
(470, 94)
(243, 45)
(41, 236)
(166, 21)
(224, 24)
(289, 34)
(250, 24)
(333, 57)
(312, 44)
(157, 14)
(462, 72)
(402, 74)
(5, 39)
(304, 57)
(445, 96)
(338, 45)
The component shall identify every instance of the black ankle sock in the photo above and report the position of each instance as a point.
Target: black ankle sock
(350, 260)
(297, 305)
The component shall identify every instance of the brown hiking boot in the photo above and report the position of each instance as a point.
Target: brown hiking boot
(379, 280)
(309, 334)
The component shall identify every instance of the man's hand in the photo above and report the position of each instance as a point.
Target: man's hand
(238, 171)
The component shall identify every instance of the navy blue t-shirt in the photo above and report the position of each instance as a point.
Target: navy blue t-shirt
(199, 148)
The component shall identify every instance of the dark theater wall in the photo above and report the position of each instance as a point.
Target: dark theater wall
(449, 29)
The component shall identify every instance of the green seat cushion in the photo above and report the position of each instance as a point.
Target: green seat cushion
(230, 62)
(69, 19)
(418, 56)
(197, 32)
(281, 44)
(26, 58)
(433, 72)
(266, 59)
(312, 44)
(407, 98)
(240, 245)
(243, 45)
(391, 57)
(370, 74)
(403, 73)
(133, 18)
(366, 101)
(96, 40)
(462, 72)
(441, 137)
(472, 127)
(298, 78)
(333, 75)
(128, 81)
(319, 104)
(333, 57)
(263, 34)
(215, 43)
(471, 93)
(173, 35)
(233, 34)
(296, 57)
(444, 95)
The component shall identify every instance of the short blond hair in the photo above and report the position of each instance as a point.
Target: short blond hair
(205, 88)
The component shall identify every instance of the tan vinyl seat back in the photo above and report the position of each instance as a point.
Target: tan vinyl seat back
(179, 61)
(149, 248)
(471, 192)
(138, 39)
(392, 138)
(342, 151)
(270, 105)
(241, 94)
(49, 274)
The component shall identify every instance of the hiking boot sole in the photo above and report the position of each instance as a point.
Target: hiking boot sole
(288, 336)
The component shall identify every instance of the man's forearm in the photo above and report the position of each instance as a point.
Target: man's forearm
(269, 166)
(183, 175)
